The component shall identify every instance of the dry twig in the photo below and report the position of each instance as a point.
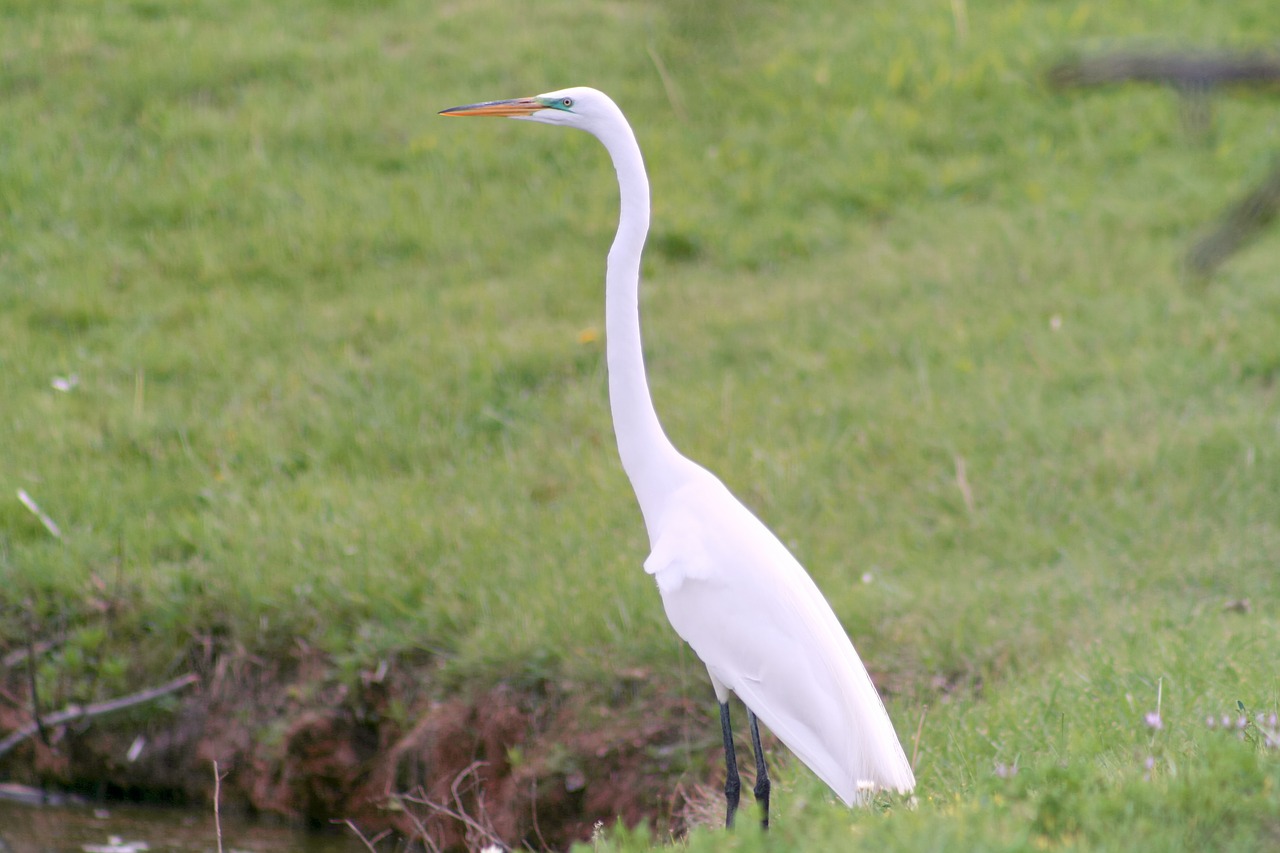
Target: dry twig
(1242, 222)
(217, 796)
(368, 845)
(479, 831)
(83, 712)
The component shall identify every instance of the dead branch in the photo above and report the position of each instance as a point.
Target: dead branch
(1242, 222)
(217, 795)
(83, 712)
(1186, 71)
(476, 828)
(368, 845)
(1194, 76)
(423, 835)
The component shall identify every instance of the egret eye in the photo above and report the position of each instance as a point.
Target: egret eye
(566, 103)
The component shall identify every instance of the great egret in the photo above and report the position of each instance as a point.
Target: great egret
(730, 588)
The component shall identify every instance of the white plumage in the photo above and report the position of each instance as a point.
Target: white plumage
(731, 590)
(757, 620)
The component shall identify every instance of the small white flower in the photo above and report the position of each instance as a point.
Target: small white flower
(65, 383)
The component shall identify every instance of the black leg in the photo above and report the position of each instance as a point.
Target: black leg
(732, 784)
(762, 773)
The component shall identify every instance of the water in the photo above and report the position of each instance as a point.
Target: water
(134, 829)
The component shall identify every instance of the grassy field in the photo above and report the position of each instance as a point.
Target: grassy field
(335, 371)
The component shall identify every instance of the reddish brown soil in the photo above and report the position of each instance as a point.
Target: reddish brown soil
(535, 766)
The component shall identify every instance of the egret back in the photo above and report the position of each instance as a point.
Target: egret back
(753, 615)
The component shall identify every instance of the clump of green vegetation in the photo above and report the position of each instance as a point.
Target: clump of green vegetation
(337, 372)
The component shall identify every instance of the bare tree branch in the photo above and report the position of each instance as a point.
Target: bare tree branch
(1241, 223)
(480, 830)
(1183, 70)
(83, 712)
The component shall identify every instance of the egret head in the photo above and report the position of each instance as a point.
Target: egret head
(580, 107)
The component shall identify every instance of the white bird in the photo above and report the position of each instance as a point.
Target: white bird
(731, 590)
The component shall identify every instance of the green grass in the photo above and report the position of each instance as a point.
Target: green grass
(332, 384)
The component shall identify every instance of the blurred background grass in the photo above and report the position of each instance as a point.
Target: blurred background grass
(340, 375)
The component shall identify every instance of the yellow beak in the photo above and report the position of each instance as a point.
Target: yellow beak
(512, 107)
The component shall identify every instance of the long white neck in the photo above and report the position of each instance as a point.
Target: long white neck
(652, 464)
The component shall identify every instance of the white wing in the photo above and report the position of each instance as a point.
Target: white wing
(757, 620)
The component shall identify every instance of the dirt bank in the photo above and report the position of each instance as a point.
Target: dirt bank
(537, 765)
